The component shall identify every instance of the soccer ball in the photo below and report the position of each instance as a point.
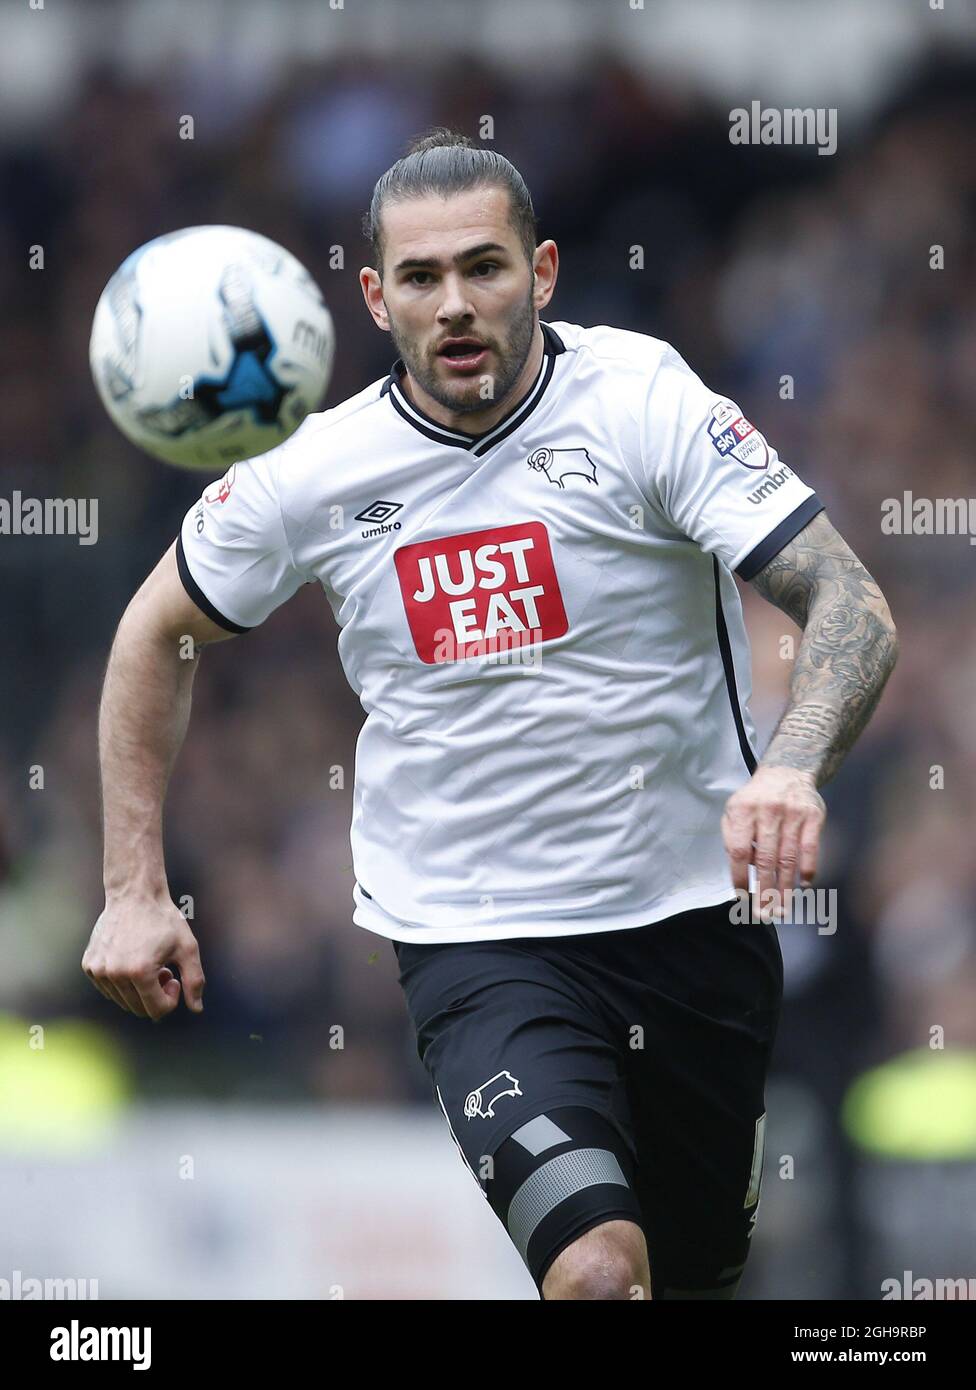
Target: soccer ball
(211, 345)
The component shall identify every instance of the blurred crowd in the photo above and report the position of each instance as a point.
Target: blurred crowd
(760, 265)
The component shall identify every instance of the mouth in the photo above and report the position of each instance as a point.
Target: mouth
(462, 354)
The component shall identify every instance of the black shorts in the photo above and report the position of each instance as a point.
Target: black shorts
(615, 1075)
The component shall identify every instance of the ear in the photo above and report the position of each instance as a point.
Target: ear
(545, 266)
(372, 287)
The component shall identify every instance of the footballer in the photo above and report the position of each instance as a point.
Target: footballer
(528, 533)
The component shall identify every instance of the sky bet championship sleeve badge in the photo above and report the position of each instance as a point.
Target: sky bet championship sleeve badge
(731, 433)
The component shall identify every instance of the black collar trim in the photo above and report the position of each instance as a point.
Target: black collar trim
(477, 444)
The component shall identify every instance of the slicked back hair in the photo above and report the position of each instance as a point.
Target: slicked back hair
(444, 162)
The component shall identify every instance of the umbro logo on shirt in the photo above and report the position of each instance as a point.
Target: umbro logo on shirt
(379, 513)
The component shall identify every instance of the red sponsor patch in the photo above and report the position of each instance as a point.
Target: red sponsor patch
(481, 592)
(220, 490)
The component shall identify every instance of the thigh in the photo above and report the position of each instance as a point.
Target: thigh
(699, 1121)
(531, 1089)
(504, 1035)
(696, 1091)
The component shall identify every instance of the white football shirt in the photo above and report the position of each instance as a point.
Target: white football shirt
(541, 624)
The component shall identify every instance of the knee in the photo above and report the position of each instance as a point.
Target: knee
(607, 1262)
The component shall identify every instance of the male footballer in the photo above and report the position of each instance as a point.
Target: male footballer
(528, 533)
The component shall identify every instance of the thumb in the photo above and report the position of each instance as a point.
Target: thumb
(170, 985)
(187, 957)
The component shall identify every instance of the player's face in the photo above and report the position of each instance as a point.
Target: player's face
(454, 268)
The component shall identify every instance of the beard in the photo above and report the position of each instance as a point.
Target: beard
(464, 397)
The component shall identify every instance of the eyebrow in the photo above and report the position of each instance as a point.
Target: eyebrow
(432, 263)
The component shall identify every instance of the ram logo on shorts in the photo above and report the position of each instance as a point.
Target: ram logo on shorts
(483, 1100)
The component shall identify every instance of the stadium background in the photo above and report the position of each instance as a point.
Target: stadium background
(243, 1153)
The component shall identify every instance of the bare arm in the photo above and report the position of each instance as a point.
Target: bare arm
(848, 650)
(143, 717)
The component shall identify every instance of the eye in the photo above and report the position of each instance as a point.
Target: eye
(484, 265)
(419, 277)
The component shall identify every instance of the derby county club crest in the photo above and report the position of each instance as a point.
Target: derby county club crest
(559, 464)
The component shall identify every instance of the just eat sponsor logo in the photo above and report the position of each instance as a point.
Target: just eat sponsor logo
(480, 592)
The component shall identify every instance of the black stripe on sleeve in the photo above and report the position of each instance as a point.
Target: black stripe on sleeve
(782, 535)
(725, 648)
(198, 596)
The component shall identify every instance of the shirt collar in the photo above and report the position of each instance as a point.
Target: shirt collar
(461, 439)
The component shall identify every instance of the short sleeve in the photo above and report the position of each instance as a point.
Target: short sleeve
(232, 551)
(715, 476)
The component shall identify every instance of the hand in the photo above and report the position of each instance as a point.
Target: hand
(774, 822)
(128, 957)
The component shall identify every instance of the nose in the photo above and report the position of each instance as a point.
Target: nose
(454, 303)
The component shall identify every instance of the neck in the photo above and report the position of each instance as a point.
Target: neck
(479, 421)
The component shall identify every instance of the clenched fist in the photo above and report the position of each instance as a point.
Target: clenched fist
(132, 946)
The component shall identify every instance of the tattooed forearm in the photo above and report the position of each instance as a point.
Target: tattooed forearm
(847, 653)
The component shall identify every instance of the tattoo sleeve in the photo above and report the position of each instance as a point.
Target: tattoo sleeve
(848, 650)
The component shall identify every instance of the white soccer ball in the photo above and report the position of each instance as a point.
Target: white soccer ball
(211, 345)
